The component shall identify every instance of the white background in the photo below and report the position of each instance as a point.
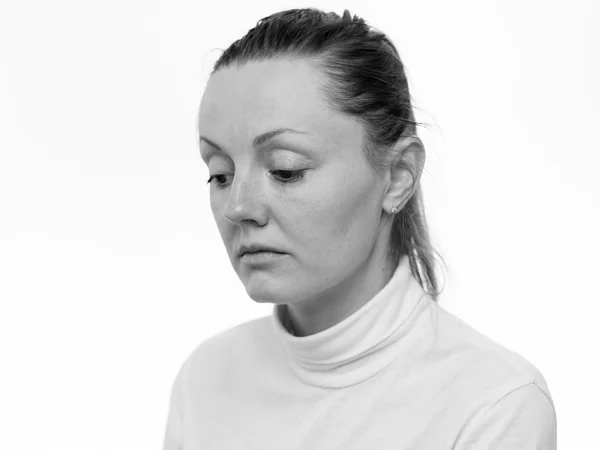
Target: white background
(111, 266)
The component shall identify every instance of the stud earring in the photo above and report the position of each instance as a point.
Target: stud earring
(394, 210)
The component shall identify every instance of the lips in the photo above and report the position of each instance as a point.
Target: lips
(256, 248)
(261, 251)
(261, 258)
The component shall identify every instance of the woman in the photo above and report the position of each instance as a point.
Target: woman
(307, 129)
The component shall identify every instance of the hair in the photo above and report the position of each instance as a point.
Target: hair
(364, 77)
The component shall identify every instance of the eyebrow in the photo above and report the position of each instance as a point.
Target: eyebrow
(258, 140)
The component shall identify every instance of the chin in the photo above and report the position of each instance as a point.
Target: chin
(265, 297)
(267, 292)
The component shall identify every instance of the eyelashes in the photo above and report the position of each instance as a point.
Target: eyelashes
(294, 176)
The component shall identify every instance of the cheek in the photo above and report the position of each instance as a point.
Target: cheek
(217, 213)
(224, 226)
(336, 213)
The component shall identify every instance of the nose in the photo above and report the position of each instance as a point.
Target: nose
(246, 199)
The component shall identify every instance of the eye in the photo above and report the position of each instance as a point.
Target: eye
(214, 177)
(287, 176)
(293, 175)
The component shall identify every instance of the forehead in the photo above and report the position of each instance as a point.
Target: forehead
(266, 94)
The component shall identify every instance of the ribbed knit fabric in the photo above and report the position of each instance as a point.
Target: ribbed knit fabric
(400, 373)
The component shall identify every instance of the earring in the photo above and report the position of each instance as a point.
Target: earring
(394, 210)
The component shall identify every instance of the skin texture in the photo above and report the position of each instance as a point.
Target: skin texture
(330, 222)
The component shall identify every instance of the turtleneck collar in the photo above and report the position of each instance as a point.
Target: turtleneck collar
(364, 343)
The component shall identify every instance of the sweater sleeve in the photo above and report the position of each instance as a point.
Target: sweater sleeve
(173, 436)
(524, 419)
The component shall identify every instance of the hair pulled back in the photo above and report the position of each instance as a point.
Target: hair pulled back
(364, 78)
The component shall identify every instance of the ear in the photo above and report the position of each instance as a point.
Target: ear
(404, 172)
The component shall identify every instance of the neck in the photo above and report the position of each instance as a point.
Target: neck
(338, 302)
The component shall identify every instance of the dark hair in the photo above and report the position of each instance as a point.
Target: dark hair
(364, 78)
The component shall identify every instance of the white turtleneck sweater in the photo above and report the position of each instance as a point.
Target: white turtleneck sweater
(401, 373)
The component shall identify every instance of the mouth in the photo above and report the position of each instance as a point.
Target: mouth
(262, 256)
(266, 250)
(261, 252)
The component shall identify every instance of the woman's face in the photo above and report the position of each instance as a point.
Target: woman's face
(326, 218)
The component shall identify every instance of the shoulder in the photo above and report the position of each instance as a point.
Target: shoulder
(232, 346)
(483, 366)
(524, 417)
